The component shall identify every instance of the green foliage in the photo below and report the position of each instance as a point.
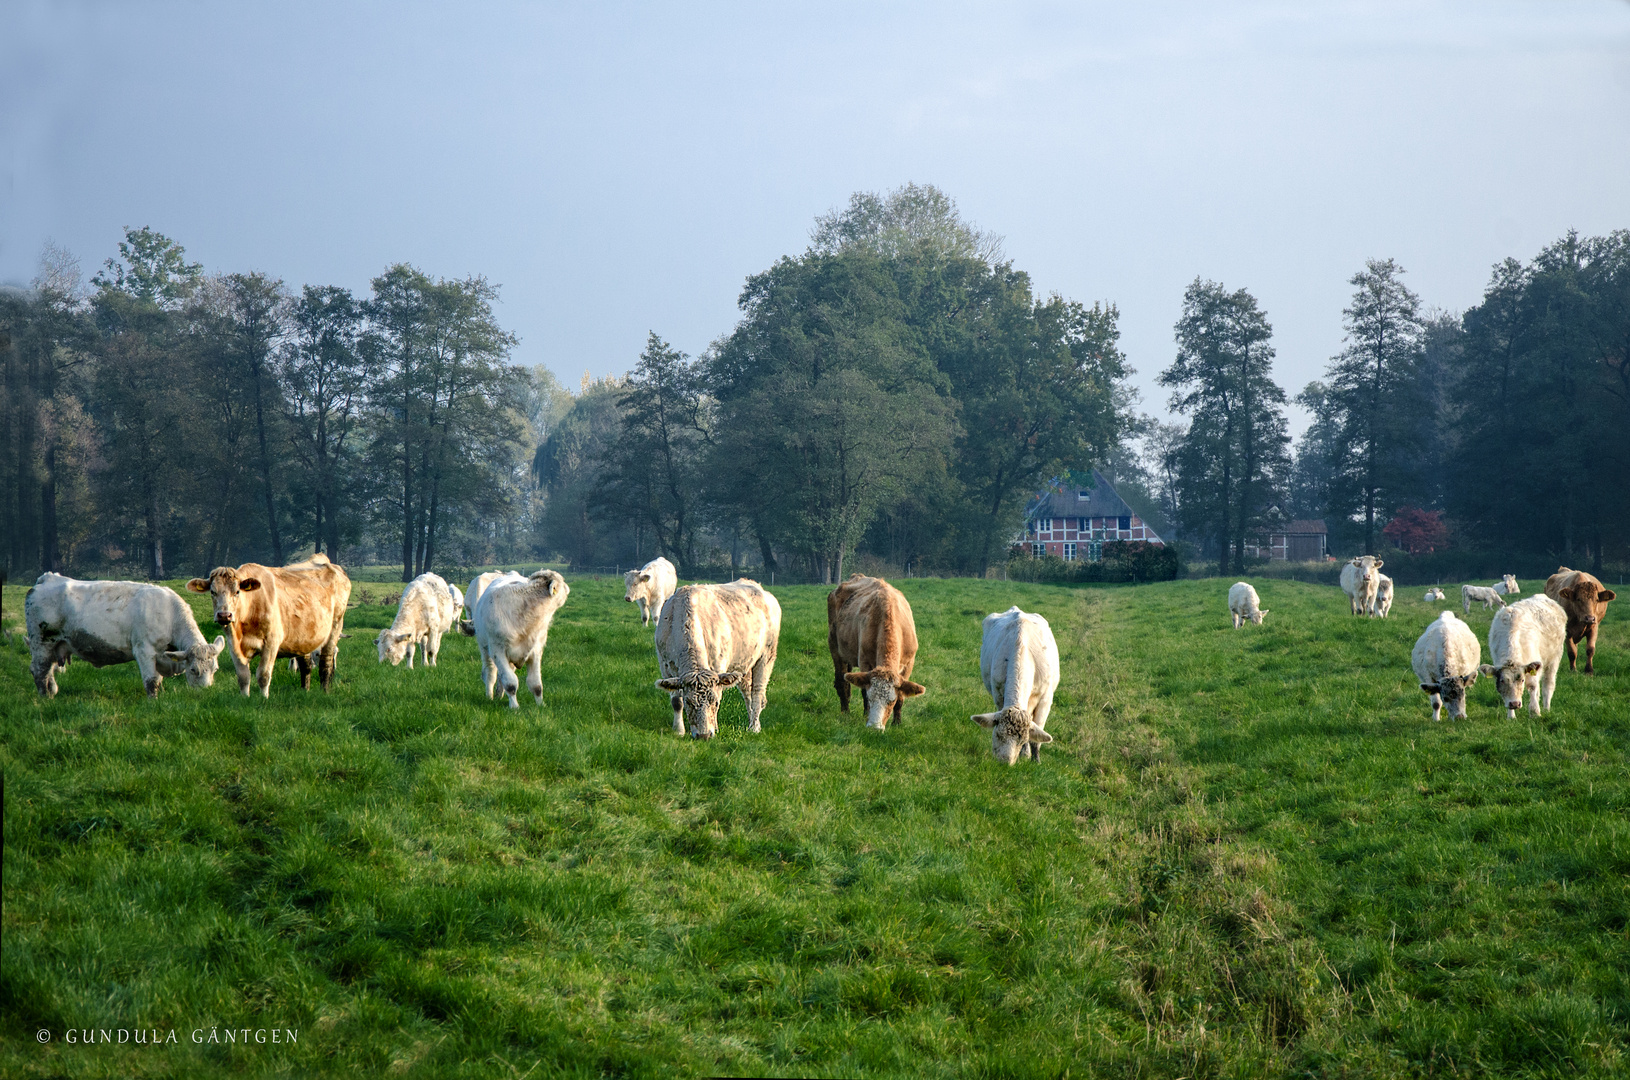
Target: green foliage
(1123, 561)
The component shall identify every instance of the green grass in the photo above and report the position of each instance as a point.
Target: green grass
(1248, 853)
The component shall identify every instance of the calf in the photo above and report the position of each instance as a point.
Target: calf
(1445, 660)
(115, 622)
(710, 638)
(1507, 585)
(1359, 580)
(1434, 593)
(650, 586)
(512, 621)
(869, 626)
(1018, 661)
(1525, 643)
(427, 611)
(1244, 604)
(478, 585)
(1585, 601)
(1470, 594)
(280, 611)
(1383, 596)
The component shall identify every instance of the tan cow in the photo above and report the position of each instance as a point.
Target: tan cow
(869, 627)
(1585, 600)
(289, 611)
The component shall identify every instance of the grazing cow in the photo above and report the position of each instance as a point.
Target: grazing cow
(1359, 580)
(1434, 593)
(709, 638)
(1479, 594)
(1585, 601)
(1383, 596)
(650, 586)
(1018, 660)
(869, 626)
(1445, 660)
(1525, 643)
(478, 585)
(1507, 585)
(293, 610)
(426, 613)
(512, 621)
(115, 622)
(1244, 604)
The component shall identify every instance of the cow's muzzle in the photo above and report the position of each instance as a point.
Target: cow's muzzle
(223, 618)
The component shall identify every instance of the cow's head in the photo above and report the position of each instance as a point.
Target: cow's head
(1508, 680)
(883, 688)
(198, 663)
(1256, 616)
(1010, 730)
(1588, 600)
(699, 694)
(1510, 583)
(394, 646)
(634, 583)
(225, 586)
(1452, 690)
(1368, 567)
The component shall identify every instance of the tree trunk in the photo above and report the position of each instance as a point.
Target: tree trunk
(49, 557)
(266, 470)
(407, 515)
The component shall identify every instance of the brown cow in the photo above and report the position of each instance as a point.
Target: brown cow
(869, 627)
(290, 611)
(1585, 601)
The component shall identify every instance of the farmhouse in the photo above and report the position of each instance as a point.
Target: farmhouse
(1074, 522)
(1294, 541)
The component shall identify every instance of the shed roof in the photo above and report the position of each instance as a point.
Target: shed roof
(1305, 526)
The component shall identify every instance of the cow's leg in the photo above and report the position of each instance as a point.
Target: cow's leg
(1531, 685)
(1571, 643)
(508, 683)
(1547, 676)
(147, 664)
(534, 676)
(43, 666)
(842, 685)
(302, 664)
(899, 704)
(1590, 649)
(240, 665)
(761, 691)
(489, 671)
(432, 646)
(327, 660)
(268, 661)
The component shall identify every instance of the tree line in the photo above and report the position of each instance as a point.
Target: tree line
(1505, 428)
(160, 418)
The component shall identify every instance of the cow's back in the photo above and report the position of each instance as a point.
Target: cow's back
(307, 600)
(872, 625)
(718, 627)
(1529, 630)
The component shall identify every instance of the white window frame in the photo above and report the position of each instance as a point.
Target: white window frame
(1069, 552)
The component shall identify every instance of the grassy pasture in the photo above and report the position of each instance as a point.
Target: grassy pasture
(1248, 853)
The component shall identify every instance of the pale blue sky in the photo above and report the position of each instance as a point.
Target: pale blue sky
(619, 169)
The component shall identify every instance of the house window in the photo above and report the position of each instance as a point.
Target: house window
(1083, 495)
(1069, 552)
(1095, 551)
(1046, 524)
(1126, 523)
(1037, 550)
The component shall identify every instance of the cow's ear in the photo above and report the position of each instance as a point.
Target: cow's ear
(198, 584)
(249, 584)
(911, 689)
(220, 643)
(1039, 736)
(1605, 595)
(669, 685)
(1487, 669)
(1566, 594)
(985, 719)
(644, 577)
(1379, 564)
(729, 678)
(1428, 688)
(1533, 666)
(858, 678)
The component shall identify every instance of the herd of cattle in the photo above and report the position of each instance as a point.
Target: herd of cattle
(1526, 639)
(711, 637)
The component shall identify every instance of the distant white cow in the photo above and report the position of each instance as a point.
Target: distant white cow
(1383, 596)
(426, 613)
(1244, 604)
(1434, 593)
(1507, 585)
(1525, 643)
(710, 637)
(650, 586)
(512, 620)
(1359, 580)
(478, 585)
(1473, 594)
(115, 622)
(1018, 659)
(1445, 660)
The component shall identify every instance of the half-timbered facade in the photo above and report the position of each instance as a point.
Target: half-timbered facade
(1076, 522)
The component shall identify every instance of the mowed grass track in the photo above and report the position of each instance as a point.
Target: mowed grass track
(1248, 853)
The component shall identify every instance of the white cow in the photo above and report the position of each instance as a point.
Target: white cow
(710, 637)
(1525, 643)
(512, 626)
(1244, 604)
(1434, 593)
(427, 611)
(650, 586)
(1445, 660)
(1507, 585)
(1383, 596)
(1359, 580)
(115, 622)
(1470, 594)
(478, 585)
(1018, 659)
